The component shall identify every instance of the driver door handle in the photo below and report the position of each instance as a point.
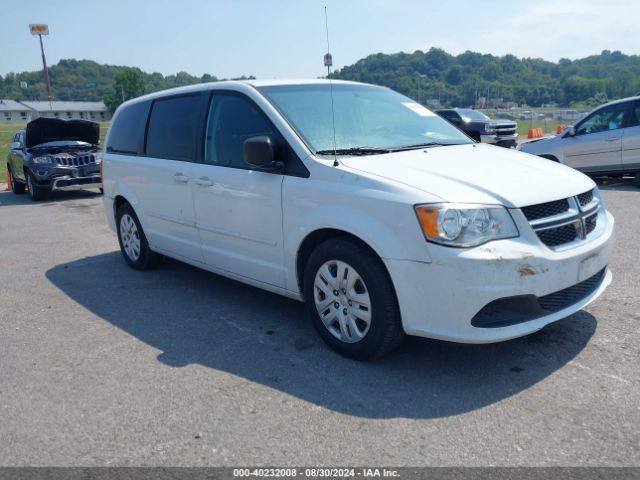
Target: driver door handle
(612, 139)
(180, 177)
(204, 182)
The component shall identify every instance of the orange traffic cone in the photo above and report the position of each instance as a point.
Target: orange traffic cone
(531, 134)
(8, 180)
(540, 134)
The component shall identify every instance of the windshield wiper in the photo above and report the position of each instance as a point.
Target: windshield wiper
(354, 151)
(421, 145)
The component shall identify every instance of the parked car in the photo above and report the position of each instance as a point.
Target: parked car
(605, 142)
(482, 128)
(397, 224)
(51, 154)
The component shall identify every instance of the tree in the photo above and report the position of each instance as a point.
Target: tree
(127, 84)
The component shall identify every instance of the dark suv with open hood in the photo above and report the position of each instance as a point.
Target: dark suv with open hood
(52, 154)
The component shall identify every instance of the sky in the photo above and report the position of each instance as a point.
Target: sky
(286, 38)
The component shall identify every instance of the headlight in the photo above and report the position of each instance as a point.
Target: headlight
(42, 160)
(490, 128)
(464, 225)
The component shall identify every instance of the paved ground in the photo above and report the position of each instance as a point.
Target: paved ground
(103, 365)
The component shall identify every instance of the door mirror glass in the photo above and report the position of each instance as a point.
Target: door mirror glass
(258, 152)
(570, 131)
(16, 146)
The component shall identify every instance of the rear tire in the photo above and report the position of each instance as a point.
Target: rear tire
(17, 186)
(35, 192)
(340, 318)
(133, 242)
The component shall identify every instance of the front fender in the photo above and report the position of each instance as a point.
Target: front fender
(401, 243)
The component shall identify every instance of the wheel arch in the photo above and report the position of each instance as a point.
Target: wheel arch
(318, 236)
(118, 201)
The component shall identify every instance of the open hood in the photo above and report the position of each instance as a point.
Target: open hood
(43, 130)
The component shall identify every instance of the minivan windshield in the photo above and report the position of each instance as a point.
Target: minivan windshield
(368, 119)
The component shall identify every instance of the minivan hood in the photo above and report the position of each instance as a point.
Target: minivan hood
(43, 130)
(477, 173)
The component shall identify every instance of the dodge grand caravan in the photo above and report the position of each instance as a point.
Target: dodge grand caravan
(383, 218)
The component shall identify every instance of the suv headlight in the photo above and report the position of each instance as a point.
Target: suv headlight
(42, 160)
(465, 225)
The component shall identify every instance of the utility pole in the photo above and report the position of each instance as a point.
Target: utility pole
(40, 30)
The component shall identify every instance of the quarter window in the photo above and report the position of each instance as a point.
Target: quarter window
(232, 119)
(173, 128)
(127, 131)
(605, 119)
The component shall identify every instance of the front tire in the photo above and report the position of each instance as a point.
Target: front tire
(35, 192)
(17, 187)
(351, 299)
(133, 242)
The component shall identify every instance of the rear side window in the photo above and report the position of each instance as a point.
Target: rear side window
(173, 128)
(127, 132)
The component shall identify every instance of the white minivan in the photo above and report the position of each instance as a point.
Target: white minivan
(381, 216)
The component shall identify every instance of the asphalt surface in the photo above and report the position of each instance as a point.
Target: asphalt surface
(104, 365)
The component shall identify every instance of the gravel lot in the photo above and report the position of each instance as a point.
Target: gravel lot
(103, 365)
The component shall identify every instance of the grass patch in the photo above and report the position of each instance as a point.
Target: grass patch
(7, 131)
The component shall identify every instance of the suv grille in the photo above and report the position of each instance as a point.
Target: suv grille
(80, 160)
(564, 221)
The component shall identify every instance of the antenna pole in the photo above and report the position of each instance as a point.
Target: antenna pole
(328, 61)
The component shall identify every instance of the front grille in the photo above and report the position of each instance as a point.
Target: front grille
(561, 222)
(506, 129)
(523, 308)
(79, 161)
(590, 223)
(585, 198)
(549, 209)
(558, 236)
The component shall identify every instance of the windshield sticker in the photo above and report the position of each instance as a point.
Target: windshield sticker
(419, 109)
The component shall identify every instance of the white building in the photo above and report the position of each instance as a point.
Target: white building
(95, 111)
(12, 111)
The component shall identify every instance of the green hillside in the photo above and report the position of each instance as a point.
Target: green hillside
(86, 80)
(455, 79)
(460, 79)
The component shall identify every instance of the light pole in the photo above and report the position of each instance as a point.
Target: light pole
(40, 30)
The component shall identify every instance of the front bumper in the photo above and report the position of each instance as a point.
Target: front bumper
(64, 178)
(67, 183)
(441, 298)
(500, 140)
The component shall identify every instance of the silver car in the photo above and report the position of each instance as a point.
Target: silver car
(605, 142)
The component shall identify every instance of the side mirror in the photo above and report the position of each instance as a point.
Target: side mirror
(570, 131)
(16, 146)
(258, 151)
